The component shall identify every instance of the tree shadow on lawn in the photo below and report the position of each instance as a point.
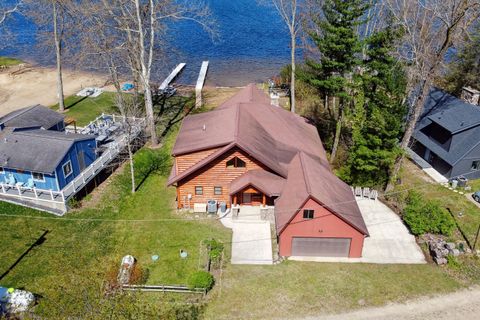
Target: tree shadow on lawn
(40, 240)
(67, 107)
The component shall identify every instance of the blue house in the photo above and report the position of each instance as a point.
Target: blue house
(36, 151)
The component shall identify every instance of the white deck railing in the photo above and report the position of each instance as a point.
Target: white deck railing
(114, 148)
(17, 191)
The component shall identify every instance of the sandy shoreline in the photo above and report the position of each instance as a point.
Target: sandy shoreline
(37, 85)
(25, 86)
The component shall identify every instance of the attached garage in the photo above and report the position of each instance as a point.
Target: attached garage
(321, 247)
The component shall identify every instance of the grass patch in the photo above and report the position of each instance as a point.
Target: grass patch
(297, 289)
(414, 178)
(8, 62)
(86, 109)
(69, 269)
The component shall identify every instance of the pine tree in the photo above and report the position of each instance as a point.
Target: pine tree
(465, 70)
(378, 127)
(339, 47)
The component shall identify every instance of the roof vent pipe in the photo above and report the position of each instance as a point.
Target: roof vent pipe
(204, 127)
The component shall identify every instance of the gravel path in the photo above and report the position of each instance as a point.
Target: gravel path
(464, 305)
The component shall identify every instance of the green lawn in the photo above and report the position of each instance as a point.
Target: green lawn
(71, 267)
(7, 62)
(297, 289)
(414, 178)
(86, 109)
(74, 260)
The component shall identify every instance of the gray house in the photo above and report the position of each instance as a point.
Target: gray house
(448, 135)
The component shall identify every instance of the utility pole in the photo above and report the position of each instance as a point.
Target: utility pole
(476, 238)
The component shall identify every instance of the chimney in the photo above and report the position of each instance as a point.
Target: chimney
(274, 99)
(471, 95)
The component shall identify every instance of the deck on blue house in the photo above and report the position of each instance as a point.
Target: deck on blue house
(55, 200)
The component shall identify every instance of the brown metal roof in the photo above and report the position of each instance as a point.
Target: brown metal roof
(284, 142)
(270, 134)
(307, 177)
(264, 181)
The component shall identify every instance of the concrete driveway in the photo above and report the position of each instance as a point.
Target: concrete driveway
(251, 240)
(390, 240)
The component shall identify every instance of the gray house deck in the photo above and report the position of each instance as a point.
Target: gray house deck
(56, 201)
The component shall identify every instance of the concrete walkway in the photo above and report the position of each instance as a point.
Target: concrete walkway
(389, 243)
(251, 240)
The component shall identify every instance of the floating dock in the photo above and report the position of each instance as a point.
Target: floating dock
(172, 76)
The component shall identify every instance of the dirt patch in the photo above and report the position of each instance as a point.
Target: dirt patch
(458, 305)
(216, 96)
(411, 166)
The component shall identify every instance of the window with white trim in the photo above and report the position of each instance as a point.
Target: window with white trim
(67, 169)
(37, 176)
(308, 214)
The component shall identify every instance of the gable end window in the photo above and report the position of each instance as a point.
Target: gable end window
(38, 176)
(308, 214)
(67, 169)
(198, 191)
(476, 165)
(217, 191)
(236, 162)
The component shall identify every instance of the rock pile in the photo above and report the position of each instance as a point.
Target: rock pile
(440, 249)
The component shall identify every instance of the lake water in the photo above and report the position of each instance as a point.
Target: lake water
(252, 44)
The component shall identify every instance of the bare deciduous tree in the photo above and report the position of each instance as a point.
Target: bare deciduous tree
(431, 28)
(289, 12)
(55, 25)
(6, 10)
(58, 39)
(140, 27)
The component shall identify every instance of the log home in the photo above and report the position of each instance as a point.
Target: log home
(250, 154)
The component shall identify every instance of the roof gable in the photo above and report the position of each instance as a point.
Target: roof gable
(308, 178)
(37, 150)
(266, 182)
(34, 116)
(269, 134)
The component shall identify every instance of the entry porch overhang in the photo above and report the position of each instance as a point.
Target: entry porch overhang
(260, 181)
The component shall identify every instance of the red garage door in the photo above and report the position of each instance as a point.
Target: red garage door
(321, 247)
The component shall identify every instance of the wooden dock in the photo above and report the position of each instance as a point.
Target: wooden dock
(172, 76)
(200, 82)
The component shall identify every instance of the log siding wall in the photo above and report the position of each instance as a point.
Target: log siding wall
(185, 161)
(214, 174)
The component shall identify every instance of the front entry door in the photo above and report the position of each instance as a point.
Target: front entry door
(247, 198)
